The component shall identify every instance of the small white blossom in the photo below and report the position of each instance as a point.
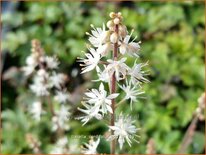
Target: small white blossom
(103, 75)
(124, 130)
(36, 110)
(98, 104)
(40, 89)
(91, 60)
(61, 118)
(100, 99)
(91, 148)
(51, 62)
(31, 63)
(62, 96)
(99, 36)
(57, 80)
(137, 74)
(28, 70)
(31, 60)
(40, 86)
(91, 112)
(131, 92)
(118, 67)
(104, 49)
(60, 147)
(129, 47)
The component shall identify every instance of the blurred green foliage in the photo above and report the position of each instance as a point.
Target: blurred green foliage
(172, 36)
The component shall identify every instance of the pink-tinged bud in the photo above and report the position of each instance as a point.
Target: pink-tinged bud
(110, 23)
(112, 15)
(122, 30)
(114, 37)
(105, 36)
(119, 14)
(116, 21)
(41, 72)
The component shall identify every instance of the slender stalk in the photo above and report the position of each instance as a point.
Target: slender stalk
(188, 136)
(60, 132)
(113, 90)
(50, 106)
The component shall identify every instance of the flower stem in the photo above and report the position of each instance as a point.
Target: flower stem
(187, 139)
(113, 90)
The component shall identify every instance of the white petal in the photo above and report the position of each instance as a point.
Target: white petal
(112, 96)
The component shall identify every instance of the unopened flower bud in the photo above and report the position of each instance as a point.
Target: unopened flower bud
(30, 60)
(119, 14)
(104, 49)
(114, 37)
(110, 23)
(112, 14)
(201, 117)
(116, 21)
(41, 72)
(105, 36)
(198, 110)
(122, 30)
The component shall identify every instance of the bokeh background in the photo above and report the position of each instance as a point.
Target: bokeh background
(172, 35)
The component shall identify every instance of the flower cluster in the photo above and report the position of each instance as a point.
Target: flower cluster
(49, 87)
(98, 103)
(47, 81)
(124, 129)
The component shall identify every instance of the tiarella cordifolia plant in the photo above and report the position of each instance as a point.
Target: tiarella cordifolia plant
(49, 87)
(100, 102)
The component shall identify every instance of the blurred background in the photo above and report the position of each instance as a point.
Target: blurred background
(172, 36)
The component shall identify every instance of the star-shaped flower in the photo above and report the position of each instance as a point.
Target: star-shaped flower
(124, 130)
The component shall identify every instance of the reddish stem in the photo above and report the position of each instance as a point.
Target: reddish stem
(113, 90)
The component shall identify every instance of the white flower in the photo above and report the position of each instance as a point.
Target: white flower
(31, 62)
(62, 96)
(131, 92)
(100, 99)
(57, 80)
(40, 89)
(118, 67)
(137, 74)
(129, 47)
(60, 147)
(124, 130)
(103, 75)
(61, 118)
(99, 36)
(36, 110)
(51, 62)
(90, 111)
(28, 70)
(91, 61)
(62, 141)
(104, 49)
(98, 104)
(91, 148)
(40, 86)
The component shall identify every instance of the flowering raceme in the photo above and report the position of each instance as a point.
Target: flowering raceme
(48, 85)
(111, 71)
